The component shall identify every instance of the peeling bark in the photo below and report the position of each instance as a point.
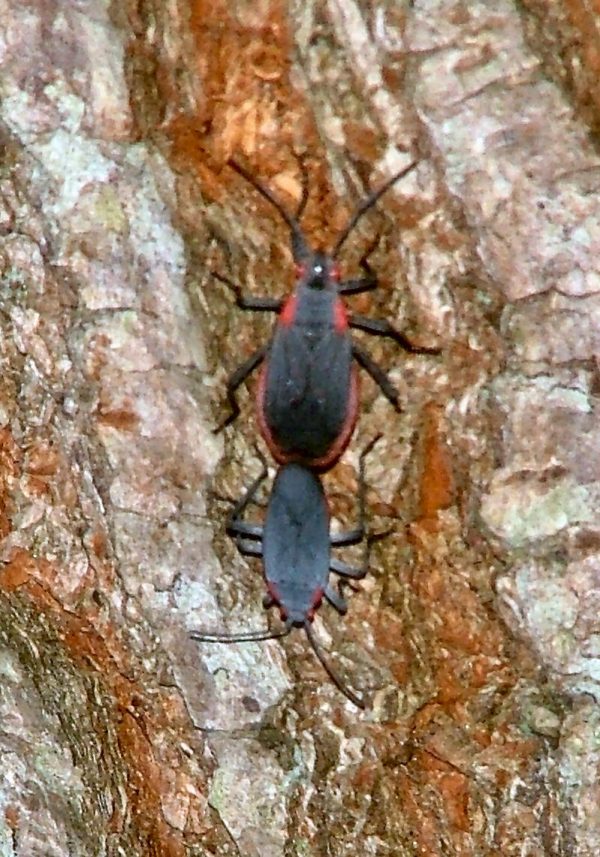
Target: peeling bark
(475, 633)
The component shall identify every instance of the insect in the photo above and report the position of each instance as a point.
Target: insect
(307, 400)
(295, 545)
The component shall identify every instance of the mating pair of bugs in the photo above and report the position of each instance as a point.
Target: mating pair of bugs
(307, 405)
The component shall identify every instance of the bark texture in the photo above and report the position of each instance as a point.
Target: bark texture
(476, 632)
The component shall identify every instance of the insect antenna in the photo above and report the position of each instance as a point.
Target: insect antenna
(368, 203)
(329, 669)
(299, 246)
(245, 637)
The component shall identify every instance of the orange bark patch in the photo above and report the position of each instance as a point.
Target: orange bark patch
(584, 17)
(437, 482)
(135, 718)
(35, 486)
(98, 543)
(364, 778)
(11, 816)
(364, 143)
(454, 789)
(119, 418)
(242, 60)
(144, 784)
(421, 817)
(248, 109)
(390, 636)
(10, 456)
(17, 572)
(42, 459)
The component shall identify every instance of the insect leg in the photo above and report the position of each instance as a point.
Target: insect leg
(381, 327)
(336, 600)
(305, 187)
(235, 526)
(346, 570)
(347, 537)
(377, 374)
(357, 287)
(329, 669)
(247, 547)
(358, 533)
(363, 284)
(233, 382)
(248, 301)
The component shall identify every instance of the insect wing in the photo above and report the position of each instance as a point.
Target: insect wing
(307, 390)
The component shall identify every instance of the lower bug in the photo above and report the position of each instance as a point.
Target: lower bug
(295, 545)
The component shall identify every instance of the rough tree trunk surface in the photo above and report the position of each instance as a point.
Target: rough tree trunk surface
(475, 635)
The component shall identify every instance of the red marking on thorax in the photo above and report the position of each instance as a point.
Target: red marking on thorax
(340, 316)
(288, 312)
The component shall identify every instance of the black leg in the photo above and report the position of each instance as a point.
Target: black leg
(247, 301)
(305, 187)
(380, 327)
(352, 572)
(234, 381)
(336, 600)
(377, 374)
(247, 547)
(347, 537)
(356, 535)
(235, 526)
(345, 570)
(366, 283)
(356, 700)
(357, 287)
(352, 537)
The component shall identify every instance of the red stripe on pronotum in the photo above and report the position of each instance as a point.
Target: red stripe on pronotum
(340, 317)
(288, 313)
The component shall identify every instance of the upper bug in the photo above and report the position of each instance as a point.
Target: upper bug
(307, 400)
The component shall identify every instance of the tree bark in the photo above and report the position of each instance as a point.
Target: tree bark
(475, 634)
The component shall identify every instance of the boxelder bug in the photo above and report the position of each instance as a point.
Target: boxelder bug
(295, 544)
(307, 392)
